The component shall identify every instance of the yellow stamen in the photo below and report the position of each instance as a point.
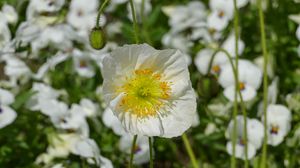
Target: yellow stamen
(145, 93)
(216, 69)
(242, 86)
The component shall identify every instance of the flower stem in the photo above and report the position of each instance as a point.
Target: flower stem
(135, 26)
(265, 82)
(235, 73)
(189, 150)
(151, 152)
(100, 12)
(132, 151)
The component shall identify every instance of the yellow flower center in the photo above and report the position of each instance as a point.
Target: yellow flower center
(145, 93)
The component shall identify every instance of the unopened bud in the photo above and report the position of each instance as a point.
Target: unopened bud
(97, 38)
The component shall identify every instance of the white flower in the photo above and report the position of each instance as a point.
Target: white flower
(141, 149)
(217, 21)
(43, 93)
(192, 15)
(278, 123)
(203, 59)
(83, 64)
(89, 108)
(58, 36)
(82, 16)
(250, 77)
(10, 14)
(149, 90)
(47, 5)
(5, 35)
(98, 55)
(179, 41)
(298, 33)
(7, 114)
(255, 136)
(50, 64)
(111, 121)
(138, 9)
(16, 70)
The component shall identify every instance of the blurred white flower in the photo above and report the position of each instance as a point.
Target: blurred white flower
(111, 121)
(5, 34)
(16, 70)
(141, 150)
(59, 36)
(89, 108)
(88, 148)
(83, 63)
(255, 134)
(10, 14)
(43, 93)
(259, 61)
(7, 114)
(250, 77)
(295, 18)
(192, 15)
(179, 41)
(278, 123)
(149, 90)
(138, 9)
(47, 5)
(298, 33)
(82, 16)
(98, 55)
(203, 59)
(50, 64)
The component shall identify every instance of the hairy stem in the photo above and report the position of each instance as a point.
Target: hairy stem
(265, 82)
(151, 152)
(189, 150)
(135, 26)
(100, 12)
(132, 151)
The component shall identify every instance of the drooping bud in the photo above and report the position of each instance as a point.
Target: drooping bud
(97, 38)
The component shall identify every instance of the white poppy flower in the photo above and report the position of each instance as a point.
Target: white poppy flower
(141, 149)
(111, 121)
(83, 64)
(255, 136)
(149, 90)
(7, 114)
(278, 123)
(138, 9)
(250, 77)
(10, 14)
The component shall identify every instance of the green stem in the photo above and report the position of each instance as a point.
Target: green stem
(235, 73)
(100, 12)
(189, 150)
(265, 82)
(151, 152)
(132, 151)
(237, 89)
(135, 26)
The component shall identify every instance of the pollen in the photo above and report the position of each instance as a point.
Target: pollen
(145, 93)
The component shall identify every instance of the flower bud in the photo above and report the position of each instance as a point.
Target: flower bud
(97, 38)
